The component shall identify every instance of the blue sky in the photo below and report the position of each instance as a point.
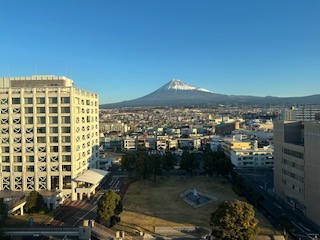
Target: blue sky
(126, 49)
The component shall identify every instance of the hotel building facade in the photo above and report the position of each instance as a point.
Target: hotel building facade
(49, 136)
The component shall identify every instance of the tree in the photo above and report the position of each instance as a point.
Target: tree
(223, 166)
(155, 165)
(234, 221)
(35, 203)
(109, 207)
(143, 166)
(128, 162)
(189, 162)
(168, 161)
(3, 212)
(217, 162)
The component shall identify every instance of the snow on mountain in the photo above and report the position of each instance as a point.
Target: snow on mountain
(203, 90)
(177, 84)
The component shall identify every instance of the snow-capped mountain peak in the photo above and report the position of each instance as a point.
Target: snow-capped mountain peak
(177, 84)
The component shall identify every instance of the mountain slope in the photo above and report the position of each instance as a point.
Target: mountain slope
(176, 93)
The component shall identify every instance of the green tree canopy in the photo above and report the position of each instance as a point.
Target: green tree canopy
(234, 221)
(217, 162)
(189, 162)
(34, 203)
(109, 206)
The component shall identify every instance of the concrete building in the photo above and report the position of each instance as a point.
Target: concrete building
(113, 127)
(227, 144)
(301, 113)
(226, 128)
(130, 144)
(297, 165)
(49, 136)
(252, 157)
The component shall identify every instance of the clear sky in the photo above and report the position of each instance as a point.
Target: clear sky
(125, 49)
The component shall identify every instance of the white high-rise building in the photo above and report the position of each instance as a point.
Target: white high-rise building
(49, 136)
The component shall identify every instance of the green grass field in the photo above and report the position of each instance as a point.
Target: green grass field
(157, 203)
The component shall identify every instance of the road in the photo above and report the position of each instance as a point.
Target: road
(262, 182)
(71, 213)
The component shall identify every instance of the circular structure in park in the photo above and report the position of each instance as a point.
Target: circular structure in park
(197, 199)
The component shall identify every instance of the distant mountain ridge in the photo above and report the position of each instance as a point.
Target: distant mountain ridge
(178, 94)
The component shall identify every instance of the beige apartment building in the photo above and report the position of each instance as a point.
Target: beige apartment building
(297, 165)
(49, 136)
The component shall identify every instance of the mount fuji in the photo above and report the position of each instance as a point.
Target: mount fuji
(179, 94)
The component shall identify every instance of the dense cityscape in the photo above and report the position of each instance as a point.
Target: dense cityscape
(57, 145)
(164, 120)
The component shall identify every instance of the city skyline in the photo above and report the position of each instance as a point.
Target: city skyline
(126, 50)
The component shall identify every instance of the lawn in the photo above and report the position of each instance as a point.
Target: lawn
(157, 203)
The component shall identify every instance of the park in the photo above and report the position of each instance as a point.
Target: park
(150, 205)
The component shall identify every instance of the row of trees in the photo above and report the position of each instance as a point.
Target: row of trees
(146, 166)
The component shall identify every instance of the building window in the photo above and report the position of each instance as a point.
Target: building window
(65, 119)
(5, 168)
(54, 149)
(30, 168)
(65, 100)
(66, 168)
(41, 120)
(54, 139)
(53, 110)
(54, 130)
(66, 158)
(28, 120)
(41, 100)
(5, 159)
(28, 100)
(53, 100)
(65, 139)
(17, 159)
(18, 168)
(65, 129)
(41, 130)
(15, 100)
(29, 158)
(41, 139)
(41, 110)
(66, 149)
(65, 109)
(53, 120)
(28, 110)
(5, 149)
